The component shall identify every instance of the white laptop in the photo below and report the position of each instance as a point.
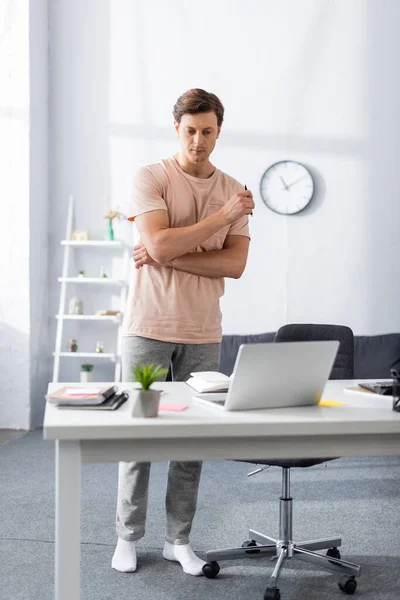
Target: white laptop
(276, 376)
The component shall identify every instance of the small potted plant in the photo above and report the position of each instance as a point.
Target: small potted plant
(86, 373)
(147, 400)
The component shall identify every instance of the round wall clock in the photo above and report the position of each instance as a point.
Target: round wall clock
(287, 187)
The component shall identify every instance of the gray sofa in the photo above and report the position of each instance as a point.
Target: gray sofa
(373, 354)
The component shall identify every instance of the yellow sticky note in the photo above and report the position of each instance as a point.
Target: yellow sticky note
(330, 403)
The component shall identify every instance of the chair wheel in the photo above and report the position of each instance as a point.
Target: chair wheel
(211, 569)
(333, 552)
(272, 594)
(347, 584)
(250, 544)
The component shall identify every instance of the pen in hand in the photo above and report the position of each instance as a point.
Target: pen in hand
(245, 187)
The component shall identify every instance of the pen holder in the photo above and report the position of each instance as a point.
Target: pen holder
(396, 389)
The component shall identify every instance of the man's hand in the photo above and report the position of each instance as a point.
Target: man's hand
(239, 205)
(142, 257)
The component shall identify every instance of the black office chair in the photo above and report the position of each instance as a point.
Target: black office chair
(343, 367)
(260, 545)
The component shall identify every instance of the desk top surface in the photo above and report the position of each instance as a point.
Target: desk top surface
(362, 413)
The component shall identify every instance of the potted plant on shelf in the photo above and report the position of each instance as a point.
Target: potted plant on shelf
(86, 373)
(147, 400)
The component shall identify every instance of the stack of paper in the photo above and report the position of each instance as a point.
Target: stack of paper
(208, 381)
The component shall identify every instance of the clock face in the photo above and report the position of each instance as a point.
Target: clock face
(287, 187)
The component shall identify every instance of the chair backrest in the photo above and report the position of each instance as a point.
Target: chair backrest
(343, 367)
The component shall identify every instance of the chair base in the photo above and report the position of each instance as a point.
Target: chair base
(262, 546)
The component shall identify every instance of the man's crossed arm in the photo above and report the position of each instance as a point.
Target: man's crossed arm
(173, 247)
(228, 262)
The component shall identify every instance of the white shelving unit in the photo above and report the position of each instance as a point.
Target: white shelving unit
(115, 318)
(109, 355)
(65, 279)
(98, 243)
(85, 280)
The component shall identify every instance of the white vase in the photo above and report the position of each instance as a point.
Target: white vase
(86, 376)
(145, 403)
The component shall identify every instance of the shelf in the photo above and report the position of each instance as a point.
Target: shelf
(95, 243)
(115, 318)
(86, 355)
(116, 284)
(98, 280)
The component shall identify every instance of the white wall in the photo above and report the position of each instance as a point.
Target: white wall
(309, 80)
(24, 355)
(40, 348)
(14, 236)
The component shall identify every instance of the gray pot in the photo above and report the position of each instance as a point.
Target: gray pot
(145, 403)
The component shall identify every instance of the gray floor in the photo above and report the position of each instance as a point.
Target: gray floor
(355, 498)
(6, 435)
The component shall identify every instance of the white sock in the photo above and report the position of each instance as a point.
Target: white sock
(124, 558)
(184, 555)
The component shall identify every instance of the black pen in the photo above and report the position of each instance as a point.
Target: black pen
(245, 187)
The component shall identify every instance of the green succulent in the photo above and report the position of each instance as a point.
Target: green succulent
(86, 367)
(148, 374)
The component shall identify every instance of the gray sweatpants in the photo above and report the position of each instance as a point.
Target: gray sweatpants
(183, 477)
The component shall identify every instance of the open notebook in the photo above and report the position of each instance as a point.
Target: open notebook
(209, 381)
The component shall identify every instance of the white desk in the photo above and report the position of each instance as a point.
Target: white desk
(366, 426)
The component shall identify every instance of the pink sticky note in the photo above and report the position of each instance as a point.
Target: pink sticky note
(173, 407)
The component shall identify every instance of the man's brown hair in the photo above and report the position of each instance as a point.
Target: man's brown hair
(198, 101)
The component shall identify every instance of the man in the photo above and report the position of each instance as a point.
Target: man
(193, 224)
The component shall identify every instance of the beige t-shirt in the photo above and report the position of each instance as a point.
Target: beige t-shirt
(164, 303)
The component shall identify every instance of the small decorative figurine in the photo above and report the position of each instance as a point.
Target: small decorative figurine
(75, 306)
(72, 345)
(80, 235)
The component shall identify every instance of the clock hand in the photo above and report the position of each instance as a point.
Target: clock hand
(295, 181)
(283, 181)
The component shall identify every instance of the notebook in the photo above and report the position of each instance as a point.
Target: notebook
(112, 403)
(378, 387)
(75, 396)
(382, 388)
(208, 381)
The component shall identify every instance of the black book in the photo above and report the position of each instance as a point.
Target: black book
(111, 403)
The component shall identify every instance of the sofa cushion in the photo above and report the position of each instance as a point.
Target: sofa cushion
(230, 346)
(373, 355)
